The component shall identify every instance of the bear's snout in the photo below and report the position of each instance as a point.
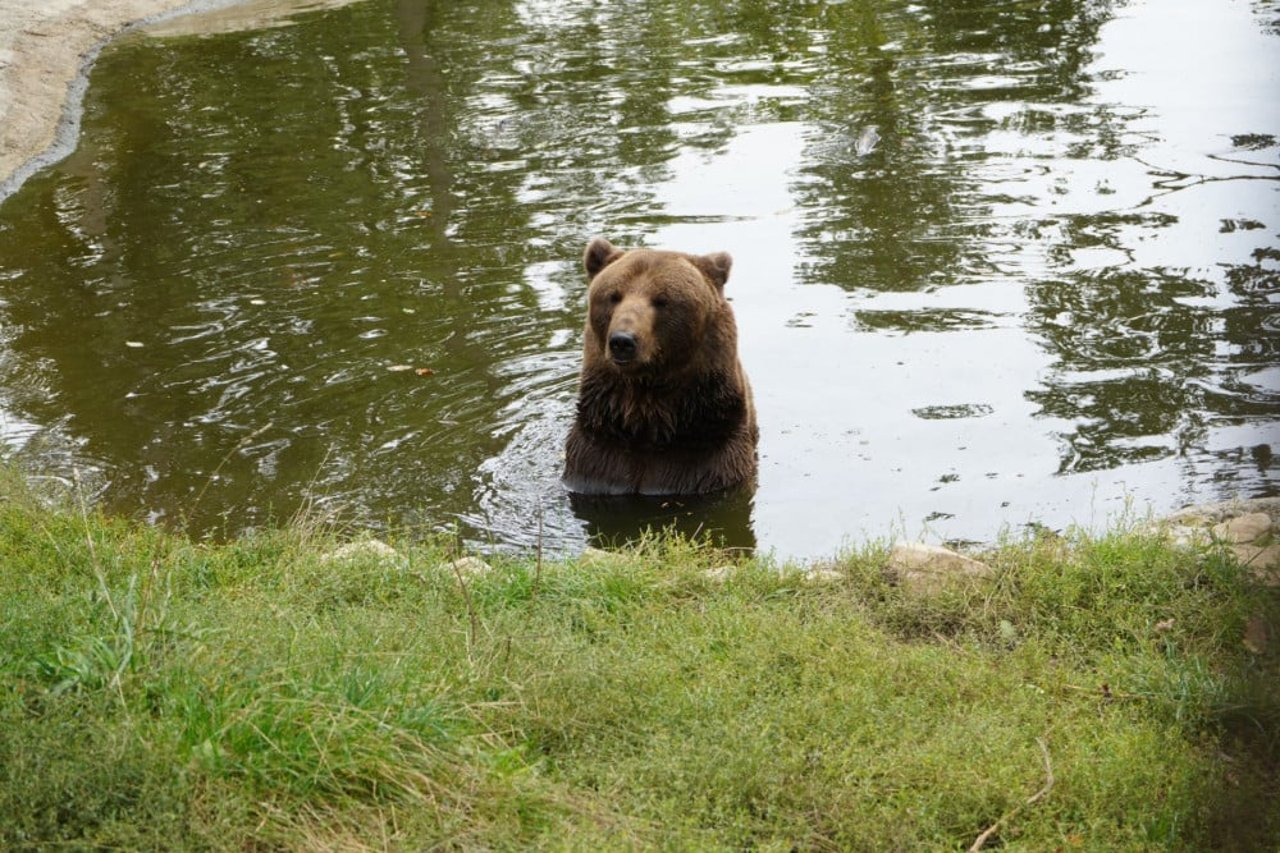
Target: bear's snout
(622, 347)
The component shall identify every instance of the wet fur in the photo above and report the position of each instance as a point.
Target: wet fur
(680, 422)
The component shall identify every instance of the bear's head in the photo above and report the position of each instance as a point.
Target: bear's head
(655, 311)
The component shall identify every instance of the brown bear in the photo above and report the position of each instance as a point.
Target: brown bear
(664, 406)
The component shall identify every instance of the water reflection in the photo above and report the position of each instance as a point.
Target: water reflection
(722, 520)
(991, 265)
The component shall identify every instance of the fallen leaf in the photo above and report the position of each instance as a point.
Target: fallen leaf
(425, 371)
(1164, 624)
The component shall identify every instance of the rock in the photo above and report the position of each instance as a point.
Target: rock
(1266, 577)
(1256, 635)
(819, 575)
(1185, 535)
(719, 574)
(594, 556)
(1236, 523)
(366, 550)
(1263, 563)
(1257, 557)
(1244, 528)
(469, 567)
(601, 558)
(1205, 515)
(926, 568)
(46, 47)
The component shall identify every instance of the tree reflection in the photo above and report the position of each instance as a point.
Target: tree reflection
(318, 244)
(278, 217)
(207, 297)
(913, 212)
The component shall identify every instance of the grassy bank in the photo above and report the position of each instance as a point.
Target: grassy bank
(158, 693)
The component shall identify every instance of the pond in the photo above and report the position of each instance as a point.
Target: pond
(995, 263)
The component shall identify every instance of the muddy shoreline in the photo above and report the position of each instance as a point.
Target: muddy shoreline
(47, 48)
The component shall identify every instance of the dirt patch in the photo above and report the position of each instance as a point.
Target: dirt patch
(48, 46)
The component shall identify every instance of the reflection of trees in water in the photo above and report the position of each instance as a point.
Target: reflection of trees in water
(1124, 352)
(266, 236)
(260, 242)
(915, 211)
(450, 160)
(1149, 360)
(1267, 14)
(1144, 372)
(722, 520)
(1144, 360)
(238, 233)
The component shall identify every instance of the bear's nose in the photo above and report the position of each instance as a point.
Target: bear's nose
(622, 346)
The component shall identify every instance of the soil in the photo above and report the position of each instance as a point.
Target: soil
(48, 46)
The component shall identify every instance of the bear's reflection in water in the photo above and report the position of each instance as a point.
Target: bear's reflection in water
(722, 520)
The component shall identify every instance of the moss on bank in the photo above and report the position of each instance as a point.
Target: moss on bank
(160, 693)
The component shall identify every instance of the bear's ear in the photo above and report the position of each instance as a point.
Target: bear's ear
(715, 267)
(600, 253)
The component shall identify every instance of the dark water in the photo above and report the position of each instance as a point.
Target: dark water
(994, 261)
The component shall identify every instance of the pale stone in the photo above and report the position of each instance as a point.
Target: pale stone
(1244, 528)
(208, 18)
(1266, 577)
(365, 550)
(1262, 563)
(46, 46)
(1185, 536)
(926, 568)
(1257, 557)
(469, 566)
(1257, 635)
(821, 576)
(719, 574)
(599, 557)
(1235, 522)
(1205, 515)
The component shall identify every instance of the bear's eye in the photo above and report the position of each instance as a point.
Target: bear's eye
(615, 297)
(660, 302)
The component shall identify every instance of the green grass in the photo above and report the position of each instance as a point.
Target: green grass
(160, 693)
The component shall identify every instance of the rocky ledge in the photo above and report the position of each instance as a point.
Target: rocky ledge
(1249, 528)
